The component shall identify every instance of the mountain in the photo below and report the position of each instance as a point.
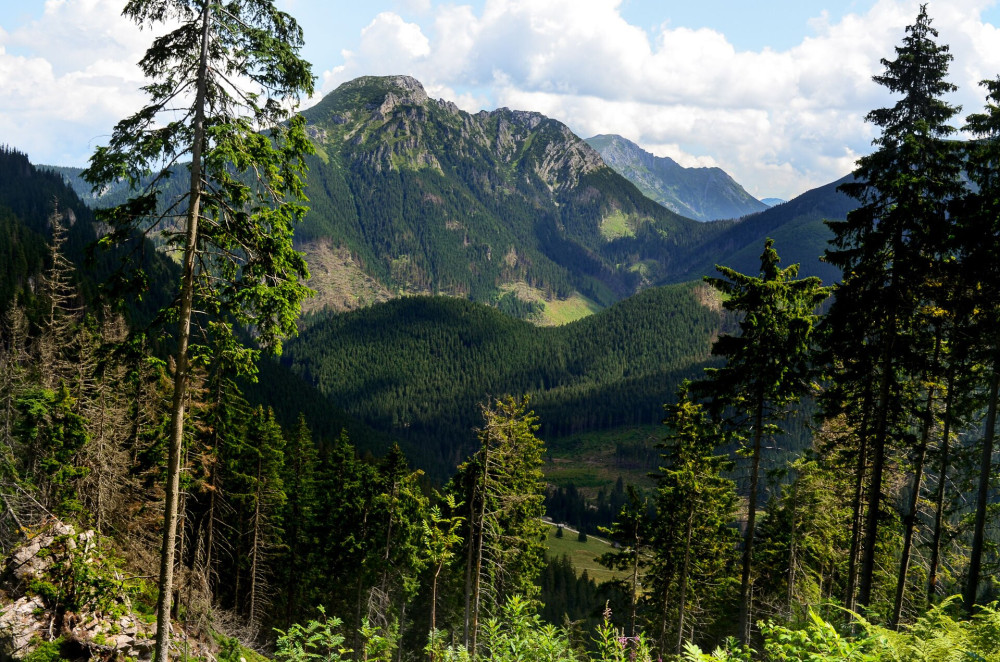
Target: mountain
(771, 202)
(411, 195)
(28, 197)
(704, 194)
(796, 226)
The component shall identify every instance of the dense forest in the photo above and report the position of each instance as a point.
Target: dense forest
(156, 481)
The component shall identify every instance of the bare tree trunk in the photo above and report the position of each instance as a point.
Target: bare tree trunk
(982, 493)
(758, 434)
(942, 480)
(166, 581)
(478, 573)
(791, 554)
(682, 589)
(910, 519)
(857, 516)
(878, 464)
(255, 544)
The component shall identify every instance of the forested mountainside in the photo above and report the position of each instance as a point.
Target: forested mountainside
(798, 227)
(412, 195)
(418, 367)
(29, 197)
(430, 199)
(704, 194)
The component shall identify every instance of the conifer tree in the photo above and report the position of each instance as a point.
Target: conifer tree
(236, 67)
(767, 368)
(982, 264)
(693, 542)
(890, 246)
(503, 489)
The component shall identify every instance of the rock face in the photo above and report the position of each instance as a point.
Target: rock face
(46, 598)
(428, 198)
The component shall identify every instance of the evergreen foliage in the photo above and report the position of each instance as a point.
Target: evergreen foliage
(416, 366)
(767, 368)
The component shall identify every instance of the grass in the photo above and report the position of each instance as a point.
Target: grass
(581, 554)
(588, 461)
(563, 311)
(616, 225)
(556, 312)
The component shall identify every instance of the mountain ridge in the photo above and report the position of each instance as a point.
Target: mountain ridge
(704, 194)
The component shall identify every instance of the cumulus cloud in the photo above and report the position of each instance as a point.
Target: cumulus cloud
(779, 121)
(67, 78)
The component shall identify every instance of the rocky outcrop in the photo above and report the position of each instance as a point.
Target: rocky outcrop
(56, 590)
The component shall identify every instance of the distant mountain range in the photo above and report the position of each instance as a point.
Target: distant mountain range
(704, 194)
(771, 202)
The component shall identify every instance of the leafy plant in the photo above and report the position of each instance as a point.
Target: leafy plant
(316, 640)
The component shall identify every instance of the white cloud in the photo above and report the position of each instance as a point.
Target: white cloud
(779, 121)
(68, 77)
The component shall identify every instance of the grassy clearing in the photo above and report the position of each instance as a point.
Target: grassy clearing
(556, 311)
(581, 554)
(588, 460)
(563, 311)
(616, 225)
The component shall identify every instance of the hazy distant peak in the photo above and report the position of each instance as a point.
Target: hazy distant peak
(705, 194)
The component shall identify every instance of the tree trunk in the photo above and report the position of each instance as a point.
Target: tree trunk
(255, 544)
(434, 593)
(910, 519)
(857, 516)
(758, 434)
(878, 464)
(982, 494)
(942, 480)
(478, 572)
(682, 589)
(791, 555)
(166, 581)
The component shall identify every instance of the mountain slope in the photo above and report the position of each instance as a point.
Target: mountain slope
(417, 367)
(796, 226)
(704, 194)
(425, 198)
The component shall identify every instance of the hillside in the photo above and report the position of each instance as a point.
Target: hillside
(29, 195)
(418, 366)
(796, 226)
(704, 194)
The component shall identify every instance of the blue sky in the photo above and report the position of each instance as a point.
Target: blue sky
(773, 91)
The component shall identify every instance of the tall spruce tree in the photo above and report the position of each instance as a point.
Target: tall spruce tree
(981, 224)
(889, 247)
(767, 368)
(233, 69)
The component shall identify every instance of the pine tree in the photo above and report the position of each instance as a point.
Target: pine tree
(767, 367)
(502, 487)
(982, 265)
(238, 64)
